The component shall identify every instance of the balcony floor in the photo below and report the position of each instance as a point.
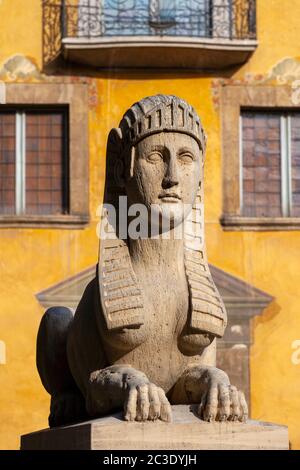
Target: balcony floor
(156, 52)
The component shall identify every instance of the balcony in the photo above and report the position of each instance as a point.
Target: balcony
(154, 34)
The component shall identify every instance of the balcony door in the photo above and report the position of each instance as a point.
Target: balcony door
(190, 18)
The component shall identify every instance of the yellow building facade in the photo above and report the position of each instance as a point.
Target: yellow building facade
(34, 257)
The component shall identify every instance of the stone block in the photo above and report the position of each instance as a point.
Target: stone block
(185, 432)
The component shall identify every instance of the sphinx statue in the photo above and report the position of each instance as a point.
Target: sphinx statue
(144, 334)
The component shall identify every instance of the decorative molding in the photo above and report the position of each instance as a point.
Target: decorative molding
(45, 221)
(257, 224)
(241, 299)
(67, 292)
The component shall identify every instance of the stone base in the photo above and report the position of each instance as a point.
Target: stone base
(185, 432)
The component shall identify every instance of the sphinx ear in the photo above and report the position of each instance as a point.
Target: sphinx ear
(115, 137)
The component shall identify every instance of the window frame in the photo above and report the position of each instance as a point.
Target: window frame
(21, 113)
(235, 99)
(74, 98)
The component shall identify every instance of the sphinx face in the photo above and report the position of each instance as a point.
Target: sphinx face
(166, 173)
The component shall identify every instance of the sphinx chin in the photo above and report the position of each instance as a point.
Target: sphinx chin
(191, 344)
(167, 216)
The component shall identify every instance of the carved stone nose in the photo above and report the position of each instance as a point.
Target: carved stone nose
(169, 182)
(171, 176)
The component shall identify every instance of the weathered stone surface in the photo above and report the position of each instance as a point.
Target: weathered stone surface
(185, 432)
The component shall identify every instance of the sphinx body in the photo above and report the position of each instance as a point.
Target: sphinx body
(144, 333)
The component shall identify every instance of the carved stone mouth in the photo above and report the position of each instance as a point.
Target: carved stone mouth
(169, 197)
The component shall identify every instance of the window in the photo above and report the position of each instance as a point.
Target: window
(270, 172)
(33, 162)
(260, 157)
(44, 155)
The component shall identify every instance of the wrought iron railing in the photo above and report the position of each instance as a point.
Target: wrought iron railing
(220, 19)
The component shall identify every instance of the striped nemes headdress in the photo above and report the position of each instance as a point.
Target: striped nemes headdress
(120, 293)
(161, 113)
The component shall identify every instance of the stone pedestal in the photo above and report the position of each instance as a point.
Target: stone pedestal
(185, 432)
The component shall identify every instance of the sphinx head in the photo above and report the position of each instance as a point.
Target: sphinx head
(165, 175)
(162, 146)
(155, 158)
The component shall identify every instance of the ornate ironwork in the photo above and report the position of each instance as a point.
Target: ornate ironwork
(221, 19)
(52, 29)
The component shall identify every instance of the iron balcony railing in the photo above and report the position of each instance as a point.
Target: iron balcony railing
(215, 19)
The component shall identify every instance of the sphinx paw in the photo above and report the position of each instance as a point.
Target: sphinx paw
(147, 402)
(221, 400)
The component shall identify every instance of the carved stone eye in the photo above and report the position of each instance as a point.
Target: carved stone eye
(155, 157)
(186, 157)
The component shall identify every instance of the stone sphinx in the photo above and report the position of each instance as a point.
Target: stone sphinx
(144, 333)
